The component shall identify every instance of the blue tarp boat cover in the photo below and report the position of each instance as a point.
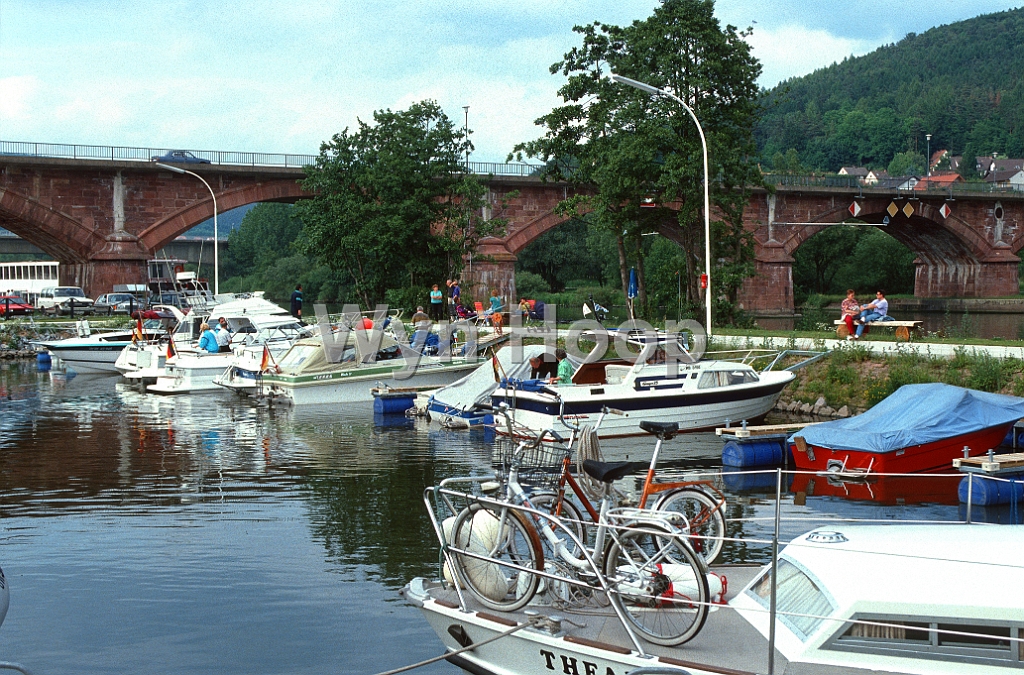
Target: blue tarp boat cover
(913, 415)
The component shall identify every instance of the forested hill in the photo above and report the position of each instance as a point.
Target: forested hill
(960, 82)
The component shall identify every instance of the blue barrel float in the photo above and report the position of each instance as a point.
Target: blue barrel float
(989, 492)
(43, 361)
(390, 401)
(754, 452)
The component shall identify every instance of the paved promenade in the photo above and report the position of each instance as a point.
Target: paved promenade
(1013, 350)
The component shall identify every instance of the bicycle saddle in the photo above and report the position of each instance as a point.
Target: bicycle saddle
(663, 430)
(609, 472)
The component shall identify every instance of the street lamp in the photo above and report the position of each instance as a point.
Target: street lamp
(466, 129)
(707, 198)
(928, 159)
(216, 262)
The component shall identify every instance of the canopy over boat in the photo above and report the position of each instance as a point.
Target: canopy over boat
(916, 414)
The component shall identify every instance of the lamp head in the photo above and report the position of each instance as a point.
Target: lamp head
(175, 169)
(642, 86)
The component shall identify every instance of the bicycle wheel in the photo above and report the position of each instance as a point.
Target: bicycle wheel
(659, 583)
(570, 517)
(705, 517)
(506, 541)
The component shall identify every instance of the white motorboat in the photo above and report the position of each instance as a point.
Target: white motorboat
(244, 373)
(144, 362)
(466, 402)
(90, 352)
(306, 375)
(851, 599)
(194, 370)
(699, 395)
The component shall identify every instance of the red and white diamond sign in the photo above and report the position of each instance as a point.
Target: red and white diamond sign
(945, 210)
(854, 209)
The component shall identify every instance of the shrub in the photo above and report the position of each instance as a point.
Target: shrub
(530, 285)
(989, 373)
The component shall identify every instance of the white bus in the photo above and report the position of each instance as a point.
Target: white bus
(28, 278)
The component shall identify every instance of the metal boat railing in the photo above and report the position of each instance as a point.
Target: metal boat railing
(447, 499)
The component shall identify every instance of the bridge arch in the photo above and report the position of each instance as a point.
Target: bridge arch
(168, 228)
(52, 231)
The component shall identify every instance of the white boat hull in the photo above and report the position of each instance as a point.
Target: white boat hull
(354, 387)
(688, 416)
(192, 374)
(86, 359)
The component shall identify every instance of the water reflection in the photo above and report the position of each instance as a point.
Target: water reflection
(141, 531)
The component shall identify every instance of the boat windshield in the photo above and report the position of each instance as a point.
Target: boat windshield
(797, 594)
(298, 355)
(725, 378)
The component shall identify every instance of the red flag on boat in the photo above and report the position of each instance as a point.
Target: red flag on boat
(138, 330)
(265, 362)
(171, 351)
(495, 365)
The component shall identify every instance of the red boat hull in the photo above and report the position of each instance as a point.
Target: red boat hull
(888, 490)
(932, 457)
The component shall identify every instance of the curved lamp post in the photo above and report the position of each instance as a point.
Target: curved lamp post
(216, 244)
(707, 199)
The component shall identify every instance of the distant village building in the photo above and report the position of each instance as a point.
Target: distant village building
(857, 171)
(1005, 164)
(875, 175)
(1017, 181)
(898, 182)
(998, 178)
(938, 182)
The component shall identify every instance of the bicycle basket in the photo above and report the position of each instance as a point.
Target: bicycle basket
(540, 467)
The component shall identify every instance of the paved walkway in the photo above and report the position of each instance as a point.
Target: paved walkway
(1013, 351)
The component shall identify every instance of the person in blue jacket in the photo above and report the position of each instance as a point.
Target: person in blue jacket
(208, 340)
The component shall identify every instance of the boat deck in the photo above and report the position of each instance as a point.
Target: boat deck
(598, 627)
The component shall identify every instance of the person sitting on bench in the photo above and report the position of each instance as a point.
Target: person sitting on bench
(876, 310)
(851, 310)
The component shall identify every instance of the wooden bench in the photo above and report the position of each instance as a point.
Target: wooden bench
(903, 328)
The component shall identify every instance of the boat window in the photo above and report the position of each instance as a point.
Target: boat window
(941, 639)
(708, 380)
(742, 377)
(297, 355)
(797, 594)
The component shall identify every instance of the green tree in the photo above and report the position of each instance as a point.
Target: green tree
(819, 259)
(561, 255)
(394, 205)
(628, 147)
(268, 232)
(906, 164)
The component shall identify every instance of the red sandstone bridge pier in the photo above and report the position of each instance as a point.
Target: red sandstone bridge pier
(102, 212)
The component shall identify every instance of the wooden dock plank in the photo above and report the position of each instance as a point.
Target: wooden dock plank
(995, 464)
(761, 430)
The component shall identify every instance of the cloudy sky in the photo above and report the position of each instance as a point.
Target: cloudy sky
(277, 76)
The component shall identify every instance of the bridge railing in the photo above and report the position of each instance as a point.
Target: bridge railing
(836, 181)
(219, 157)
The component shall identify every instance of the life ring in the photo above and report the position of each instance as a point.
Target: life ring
(178, 269)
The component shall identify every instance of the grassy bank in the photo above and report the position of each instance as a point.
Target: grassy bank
(852, 376)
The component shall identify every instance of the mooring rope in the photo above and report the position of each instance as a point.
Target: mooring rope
(533, 620)
(589, 447)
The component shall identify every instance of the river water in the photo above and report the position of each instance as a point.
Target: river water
(144, 534)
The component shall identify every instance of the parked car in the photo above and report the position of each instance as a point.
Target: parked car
(117, 303)
(14, 305)
(59, 300)
(179, 157)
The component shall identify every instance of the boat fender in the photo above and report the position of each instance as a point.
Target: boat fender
(683, 583)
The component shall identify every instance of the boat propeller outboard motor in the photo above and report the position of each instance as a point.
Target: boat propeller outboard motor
(5, 597)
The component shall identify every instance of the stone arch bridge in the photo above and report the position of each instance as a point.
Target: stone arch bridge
(103, 219)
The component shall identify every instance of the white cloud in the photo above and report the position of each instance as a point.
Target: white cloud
(792, 50)
(16, 97)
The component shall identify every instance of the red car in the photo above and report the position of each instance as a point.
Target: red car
(13, 305)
